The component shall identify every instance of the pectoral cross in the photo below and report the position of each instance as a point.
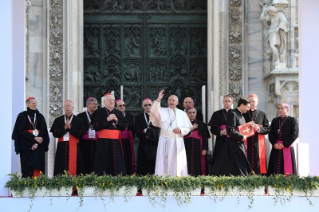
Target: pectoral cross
(114, 124)
(278, 131)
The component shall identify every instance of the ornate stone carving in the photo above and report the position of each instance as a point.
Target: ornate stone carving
(55, 59)
(235, 72)
(235, 89)
(235, 48)
(27, 8)
(157, 70)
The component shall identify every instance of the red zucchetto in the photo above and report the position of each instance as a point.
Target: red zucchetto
(29, 98)
(253, 95)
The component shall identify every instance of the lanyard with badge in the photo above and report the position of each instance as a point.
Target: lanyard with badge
(91, 131)
(66, 136)
(147, 122)
(35, 132)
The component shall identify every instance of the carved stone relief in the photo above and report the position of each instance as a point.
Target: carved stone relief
(235, 54)
(55, 59)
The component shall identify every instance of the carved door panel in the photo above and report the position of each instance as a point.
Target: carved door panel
(145, 46)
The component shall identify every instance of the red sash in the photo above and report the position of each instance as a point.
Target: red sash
(202, 158)
(111, 134)
(262, 153)
(73, 153)
(129, 135)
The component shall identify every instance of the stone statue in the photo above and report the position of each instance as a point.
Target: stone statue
(277, 31)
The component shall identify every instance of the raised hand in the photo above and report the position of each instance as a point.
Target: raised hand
(160, 95)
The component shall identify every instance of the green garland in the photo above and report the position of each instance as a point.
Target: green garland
(159, 188)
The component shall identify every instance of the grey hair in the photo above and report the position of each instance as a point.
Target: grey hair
(90, 101)
(230, 96)
(187, 109)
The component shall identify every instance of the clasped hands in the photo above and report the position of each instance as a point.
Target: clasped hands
(112, 117)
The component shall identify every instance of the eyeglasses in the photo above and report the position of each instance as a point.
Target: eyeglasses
(147, 105)
(121, 105)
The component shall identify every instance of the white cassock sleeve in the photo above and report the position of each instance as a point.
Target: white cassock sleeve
(185, 125)
(155, 115)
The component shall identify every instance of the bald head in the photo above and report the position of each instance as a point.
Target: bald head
(188, 102)
(172, 101)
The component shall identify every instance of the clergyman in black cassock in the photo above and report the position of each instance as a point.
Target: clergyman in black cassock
(189, 102)
(127, 137)
(68, 129)
(145, 159)
(31, 139)
(217, 125)
(88, 141)
(256, 147)
(283, 132)
(109, 122)
(196, 145)
(232, 158)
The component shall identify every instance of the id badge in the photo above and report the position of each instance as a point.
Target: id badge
(66, 136)
(91, 133)
(35, 132)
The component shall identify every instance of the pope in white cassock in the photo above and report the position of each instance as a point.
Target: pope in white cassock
(174, 123)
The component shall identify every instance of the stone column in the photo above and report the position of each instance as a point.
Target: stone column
(309, 75)
(73, 39)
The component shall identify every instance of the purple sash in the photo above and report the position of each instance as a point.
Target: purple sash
(222, 127)
(202, 158)
(287, 159)
(86, 136)
(129, 135)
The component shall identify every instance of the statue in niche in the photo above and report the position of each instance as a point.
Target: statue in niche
(277, 31)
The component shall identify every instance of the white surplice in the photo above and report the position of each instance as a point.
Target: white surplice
(171, 155)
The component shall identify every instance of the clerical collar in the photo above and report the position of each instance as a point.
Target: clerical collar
(31, 112)
(109, 109)
(89, 112)
(147, 113)
(123, 114)
(239, 110)
(226, 109)
(253, 109)
(69, 116)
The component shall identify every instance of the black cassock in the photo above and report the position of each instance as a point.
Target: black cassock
(144, 164)
(127, 147)
(218, 119)
(109, 157)
(77, 129)
(232, 158)
(88, 146)
(193, 149)
(24, 140)
(258, 117)
(288, 133)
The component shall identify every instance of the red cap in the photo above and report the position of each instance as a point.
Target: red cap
(29, 98)
(108, 94)
(253, 95)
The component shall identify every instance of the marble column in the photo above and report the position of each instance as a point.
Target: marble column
(308, 78)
